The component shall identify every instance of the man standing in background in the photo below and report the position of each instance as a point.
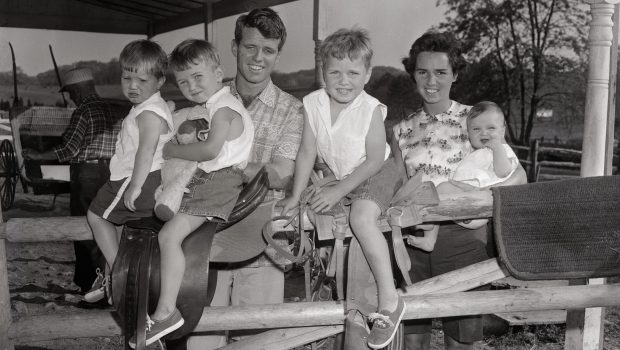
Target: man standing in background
(87, 145)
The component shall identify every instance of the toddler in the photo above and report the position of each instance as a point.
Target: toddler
(136, 163)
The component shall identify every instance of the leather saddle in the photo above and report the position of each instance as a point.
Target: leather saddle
(135, 293)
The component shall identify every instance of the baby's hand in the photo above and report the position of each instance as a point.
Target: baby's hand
(494, 142)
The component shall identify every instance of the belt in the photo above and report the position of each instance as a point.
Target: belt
(97, 161)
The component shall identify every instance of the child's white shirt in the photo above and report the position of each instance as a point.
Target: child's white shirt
(476, 168)
(234, 153)
(342, 146)
(127, 142)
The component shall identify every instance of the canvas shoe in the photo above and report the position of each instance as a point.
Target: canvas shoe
(155, 329)
(98, 290)
(384, 325)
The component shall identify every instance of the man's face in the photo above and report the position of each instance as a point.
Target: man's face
(256, 56)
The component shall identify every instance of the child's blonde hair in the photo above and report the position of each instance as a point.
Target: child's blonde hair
(192, 51)
(352, 43)
(144, 55)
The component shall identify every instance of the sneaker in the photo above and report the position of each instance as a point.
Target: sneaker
(98, 290)
(384, 325)
(156, 329)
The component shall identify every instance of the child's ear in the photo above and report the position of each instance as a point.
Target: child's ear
(368, 75)
(160, 82)
(456, 76)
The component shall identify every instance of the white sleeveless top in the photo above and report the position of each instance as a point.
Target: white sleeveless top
(342, 146)
(122, 163)
(234, 153)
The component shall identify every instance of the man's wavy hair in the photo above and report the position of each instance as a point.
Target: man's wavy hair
(266, 21)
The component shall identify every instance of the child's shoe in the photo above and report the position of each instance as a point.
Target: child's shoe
(98, 290)
(384, 325)
(155, 329)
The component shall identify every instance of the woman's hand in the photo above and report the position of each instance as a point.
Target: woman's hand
(324, 199)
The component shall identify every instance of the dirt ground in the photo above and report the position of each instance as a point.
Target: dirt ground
(40, 281)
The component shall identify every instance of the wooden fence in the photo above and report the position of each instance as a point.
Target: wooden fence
(295, 324)
(535, 160)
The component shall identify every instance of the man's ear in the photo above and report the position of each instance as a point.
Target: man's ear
(234, 47)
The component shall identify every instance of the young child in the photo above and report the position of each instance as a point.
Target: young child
(491, 162)
(344, 126)
(135, 166)
(214, 189)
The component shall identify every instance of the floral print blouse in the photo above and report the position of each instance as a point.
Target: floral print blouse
(434, 144)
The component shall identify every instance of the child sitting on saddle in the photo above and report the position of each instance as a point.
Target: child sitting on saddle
(137, 160)
(492, 162)
(216, 184)
(344, 126)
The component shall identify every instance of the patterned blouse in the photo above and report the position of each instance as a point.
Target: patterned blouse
(434, 144)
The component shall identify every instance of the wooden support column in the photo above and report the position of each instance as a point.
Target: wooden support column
(208, 21)
(319, 33)
(584, 329)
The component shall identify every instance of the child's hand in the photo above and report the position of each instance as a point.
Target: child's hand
(325, 199)
(288, 204)
(166, 151)
(130, 196)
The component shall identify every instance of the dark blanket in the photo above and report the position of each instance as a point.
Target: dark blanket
(560, 229)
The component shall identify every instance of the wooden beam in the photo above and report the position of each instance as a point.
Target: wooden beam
(474, 204)
(56, 326)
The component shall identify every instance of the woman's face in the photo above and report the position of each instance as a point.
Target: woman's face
(434, 77)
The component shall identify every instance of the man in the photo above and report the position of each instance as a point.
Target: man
(87, 144)
(278, 122)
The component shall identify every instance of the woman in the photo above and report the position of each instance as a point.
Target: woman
(433, 141)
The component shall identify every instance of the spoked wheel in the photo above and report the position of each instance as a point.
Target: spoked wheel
(9, 173)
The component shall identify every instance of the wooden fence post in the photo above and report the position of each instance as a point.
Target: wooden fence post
(5, 296)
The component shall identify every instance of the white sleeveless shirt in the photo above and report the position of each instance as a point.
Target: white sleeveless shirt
(342, 146)
(122, 163)
(234, 153)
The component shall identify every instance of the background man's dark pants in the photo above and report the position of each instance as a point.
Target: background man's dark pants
(86, 179)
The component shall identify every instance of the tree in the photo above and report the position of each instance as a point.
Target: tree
(518, 39)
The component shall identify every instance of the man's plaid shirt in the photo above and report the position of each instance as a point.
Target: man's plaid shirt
(278, 123)
(91, 133)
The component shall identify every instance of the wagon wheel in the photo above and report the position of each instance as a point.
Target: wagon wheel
(9, 173)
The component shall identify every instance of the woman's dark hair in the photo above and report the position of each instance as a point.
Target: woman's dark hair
(266, 21)
(435, 42)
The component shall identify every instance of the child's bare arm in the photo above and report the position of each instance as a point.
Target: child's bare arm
(304, 163)
(225, 124)
(150, 126)
(375, 154)
(501, 164)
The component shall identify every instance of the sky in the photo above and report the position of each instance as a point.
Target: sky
(392, 30)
